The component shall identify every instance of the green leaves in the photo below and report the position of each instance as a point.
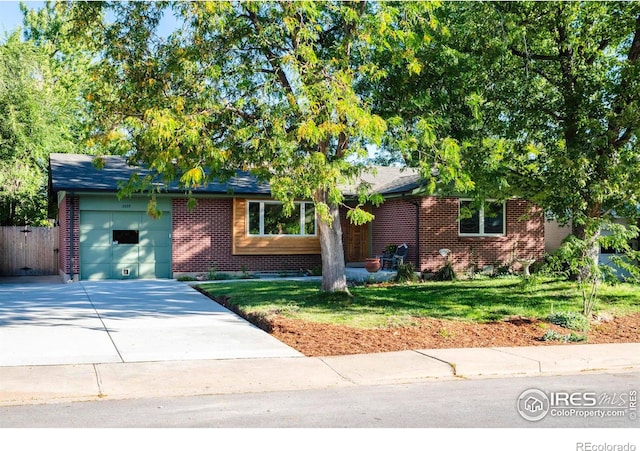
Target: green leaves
(193, 178)
(358, 216)
(41, 113)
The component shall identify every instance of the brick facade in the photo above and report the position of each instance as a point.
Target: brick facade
(202, 239)
(395, 223)
(524, 237)
(69, 210)
(396, 219)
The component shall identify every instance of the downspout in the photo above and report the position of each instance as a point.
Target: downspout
(71, 220)
(417, 205)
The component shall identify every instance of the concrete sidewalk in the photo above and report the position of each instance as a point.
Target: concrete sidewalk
(87, 382)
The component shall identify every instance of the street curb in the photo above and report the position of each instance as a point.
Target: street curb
(89, 382)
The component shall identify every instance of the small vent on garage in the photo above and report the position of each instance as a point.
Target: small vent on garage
(126, 271)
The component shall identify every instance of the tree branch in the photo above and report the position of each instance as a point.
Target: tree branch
(273, 58)
(634, 51)
(618, 139)
(243, 114)
(534, 56)
(603, 45)
(553, 114)
(343, 143)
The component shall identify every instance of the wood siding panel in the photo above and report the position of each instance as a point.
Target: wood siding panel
(244, 244)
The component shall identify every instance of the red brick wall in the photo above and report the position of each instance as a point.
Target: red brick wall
(439, 229)
(202, 239)
(64, 214)
(395, 223)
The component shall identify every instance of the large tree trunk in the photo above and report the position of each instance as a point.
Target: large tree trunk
(592, 250)
(332, 252)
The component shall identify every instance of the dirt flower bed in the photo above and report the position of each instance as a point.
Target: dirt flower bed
(313, 339)
(317, 339)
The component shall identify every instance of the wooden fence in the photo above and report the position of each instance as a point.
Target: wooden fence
(31, 253)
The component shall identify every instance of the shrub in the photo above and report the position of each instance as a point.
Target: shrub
(552, 335)
(609, 275)
(405, 273)
(427, 274)
(502, 270)
(569, 320)
(245, 273)
(446, 272)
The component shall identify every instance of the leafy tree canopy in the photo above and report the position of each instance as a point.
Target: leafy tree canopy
(541, 100)
(265, 86)
(41, 112)
(532, 99)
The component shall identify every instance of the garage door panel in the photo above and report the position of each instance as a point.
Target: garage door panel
(126, 221)
(96, 254)
(96, 271)
(160, 254)
(91, 220)
(95, 237)
(153, 270)
(125, 253)
(124, 271)
(145, 254)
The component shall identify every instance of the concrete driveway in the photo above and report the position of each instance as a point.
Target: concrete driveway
(122, 321)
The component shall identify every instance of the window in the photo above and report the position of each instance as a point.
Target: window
(268, 218)
(487, 221)
(125, 237)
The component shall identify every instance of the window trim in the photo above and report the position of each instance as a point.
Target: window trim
(302, 210)
(481, 219)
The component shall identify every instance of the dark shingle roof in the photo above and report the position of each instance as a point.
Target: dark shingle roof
(71, 172)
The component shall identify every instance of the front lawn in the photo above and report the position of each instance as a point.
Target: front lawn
(388, 305)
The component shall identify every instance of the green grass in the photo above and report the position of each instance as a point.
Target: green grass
(384, 305)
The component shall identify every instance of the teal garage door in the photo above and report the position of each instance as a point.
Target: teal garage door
(119, 240)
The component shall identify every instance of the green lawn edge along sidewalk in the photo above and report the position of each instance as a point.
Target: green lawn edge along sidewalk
(386, 305)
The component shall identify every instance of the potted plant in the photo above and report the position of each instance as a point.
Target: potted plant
(372, 264)
(390, 250)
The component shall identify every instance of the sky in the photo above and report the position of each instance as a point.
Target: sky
(10, 15)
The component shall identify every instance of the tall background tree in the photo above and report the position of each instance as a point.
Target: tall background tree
(263, 86)
(41, 110)
(541, 100)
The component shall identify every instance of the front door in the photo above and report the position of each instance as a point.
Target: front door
(357, 246)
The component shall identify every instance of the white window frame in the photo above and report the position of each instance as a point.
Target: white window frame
(302, 209)
(481, 219)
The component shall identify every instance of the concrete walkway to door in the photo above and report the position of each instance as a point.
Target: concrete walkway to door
(122, 321)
